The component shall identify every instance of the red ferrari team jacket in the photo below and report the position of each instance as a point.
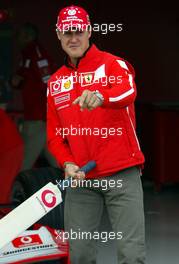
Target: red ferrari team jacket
(105, 134)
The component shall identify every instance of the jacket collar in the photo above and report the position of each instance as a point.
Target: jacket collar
(88, 55)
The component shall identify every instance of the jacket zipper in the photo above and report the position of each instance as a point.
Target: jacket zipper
(81, 120)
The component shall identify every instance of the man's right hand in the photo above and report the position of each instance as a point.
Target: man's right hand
(72, 170)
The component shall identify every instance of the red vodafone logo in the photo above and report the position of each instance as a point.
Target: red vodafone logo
(24, 241)
(48, 198)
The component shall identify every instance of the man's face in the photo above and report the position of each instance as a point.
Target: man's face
(74, 42)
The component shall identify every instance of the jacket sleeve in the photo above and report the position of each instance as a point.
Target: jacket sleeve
(122, 88)
(57, 144)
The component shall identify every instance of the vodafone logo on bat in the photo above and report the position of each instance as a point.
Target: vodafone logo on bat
(48, 198)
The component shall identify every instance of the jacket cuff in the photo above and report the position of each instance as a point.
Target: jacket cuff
(61, 160)
(68, 162)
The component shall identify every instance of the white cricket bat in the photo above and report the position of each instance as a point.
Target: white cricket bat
(29, 212)
(34, 208)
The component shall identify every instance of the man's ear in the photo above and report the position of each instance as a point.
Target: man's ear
(58, 35)
(90, 33)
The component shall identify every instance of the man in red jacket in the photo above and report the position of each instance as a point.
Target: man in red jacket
(91, 117)
(32, 75)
